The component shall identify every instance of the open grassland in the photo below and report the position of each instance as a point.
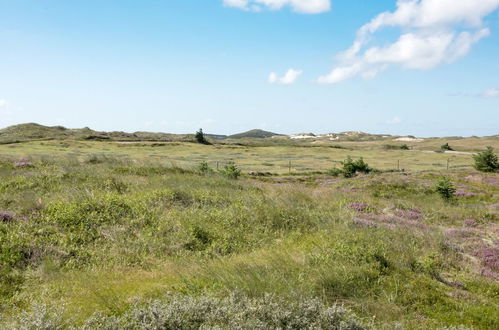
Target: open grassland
(274, 156)
(112, 235)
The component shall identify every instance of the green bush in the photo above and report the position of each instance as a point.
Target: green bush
(445, 189)
(446, 147)
(184, 312)
(351, 167)
(200, 138)
(486, 161)
(231, 171)
(204, 168)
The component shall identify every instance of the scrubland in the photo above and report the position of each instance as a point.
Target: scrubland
(91, 237)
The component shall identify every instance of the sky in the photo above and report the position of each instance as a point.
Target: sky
(406, 67)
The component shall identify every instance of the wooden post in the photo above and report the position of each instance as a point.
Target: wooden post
(398, 165)
(217, 166)
(448, 161)
(289, 167)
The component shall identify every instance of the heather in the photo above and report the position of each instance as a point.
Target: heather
(113, 243)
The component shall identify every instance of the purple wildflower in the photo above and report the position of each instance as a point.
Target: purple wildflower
(464, 193)
(460, 232)
(364, 222)
(6, 216)
(412, 214)
(470, 223)
(489, 273)
(23, 162)
(489, 257)
(493, 181)
(359, 207)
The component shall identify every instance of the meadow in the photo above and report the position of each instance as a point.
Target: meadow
(133, 235)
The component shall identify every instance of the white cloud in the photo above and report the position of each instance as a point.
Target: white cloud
(394, 121)
(492, 92)
(435, 32)
(3, 103)
(289, 78)
(299, 6)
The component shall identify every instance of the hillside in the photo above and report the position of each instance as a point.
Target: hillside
(33, 131)
(254, 133)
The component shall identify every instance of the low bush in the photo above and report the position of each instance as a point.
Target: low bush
(352, 167)
(446, 147)
(445, 189)
(185, 312)
(486, 161)
(231, 171)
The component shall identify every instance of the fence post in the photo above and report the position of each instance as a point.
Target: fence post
(448, 161)
(289, 167)
(217, 166)
(398, 165)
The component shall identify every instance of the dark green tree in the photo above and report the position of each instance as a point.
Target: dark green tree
(486, 161)
(445, 189)
(200, 137)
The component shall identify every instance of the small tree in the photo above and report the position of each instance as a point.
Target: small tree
(231, 171)
(445, 189)
(200, 137)
(446, 147)
(486, 161)
(204, 168)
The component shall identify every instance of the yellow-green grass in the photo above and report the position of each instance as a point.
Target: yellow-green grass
(97, 236)
(275, 159)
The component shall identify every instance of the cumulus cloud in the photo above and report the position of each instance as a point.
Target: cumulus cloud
(3, 103)
(433, 32)
(492, 92)
(289, 78)
(299, 6)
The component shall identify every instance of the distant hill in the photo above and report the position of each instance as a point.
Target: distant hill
(254, 133)
(32, 131)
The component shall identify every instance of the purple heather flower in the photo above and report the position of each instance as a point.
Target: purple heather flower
(470, 223)
(464, 193)
(412, 214)
(460, 232)
(359, 207)
(23, 162)
(364, 222)
(489, 257)
(493, 181)
(6, 216)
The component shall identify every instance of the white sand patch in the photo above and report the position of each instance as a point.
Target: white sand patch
(409, 139)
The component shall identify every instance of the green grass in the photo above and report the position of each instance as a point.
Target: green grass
(274, 158)
(112, 230)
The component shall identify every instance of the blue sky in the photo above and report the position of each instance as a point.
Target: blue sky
(419, 67)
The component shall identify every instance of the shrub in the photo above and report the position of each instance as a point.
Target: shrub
(200, 137)
(231, 171)
(235, 312)
(396, 147)
(351, 167)
(335, 172)
(204, 168)
(446, 147)
(445, 189)
(486, 161)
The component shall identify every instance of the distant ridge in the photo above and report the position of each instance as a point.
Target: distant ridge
(33, 131)
(254, 133)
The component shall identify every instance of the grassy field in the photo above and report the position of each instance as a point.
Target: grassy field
(130, 235)
(273, 157)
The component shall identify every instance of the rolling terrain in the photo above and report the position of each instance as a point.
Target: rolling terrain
(129, 233)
